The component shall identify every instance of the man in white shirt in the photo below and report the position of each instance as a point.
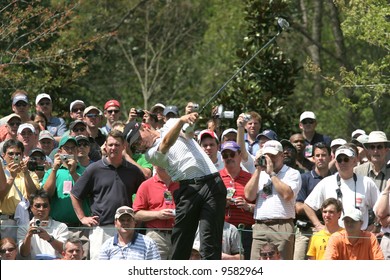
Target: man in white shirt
(354, 191)
(274, 186)
(202, 194)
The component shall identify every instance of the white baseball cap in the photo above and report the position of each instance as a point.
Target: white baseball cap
(76, 102)
(344, 150)
(338, 141)
(307, 115)
(24, 126)
(41, 96)
(354, 214)
(357, 132)
(272, 147)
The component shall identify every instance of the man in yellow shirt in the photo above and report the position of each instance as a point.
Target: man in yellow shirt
(331, 211)
(20, 183)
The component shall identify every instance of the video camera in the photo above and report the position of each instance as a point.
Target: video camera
(221, 114)
(33, 165)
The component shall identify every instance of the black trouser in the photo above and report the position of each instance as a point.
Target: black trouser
(200, 201)
(246, 240)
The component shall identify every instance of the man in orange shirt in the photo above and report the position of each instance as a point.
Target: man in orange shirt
(353, 243)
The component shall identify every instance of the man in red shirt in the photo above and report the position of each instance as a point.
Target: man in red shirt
(154, 205)
(238, 209)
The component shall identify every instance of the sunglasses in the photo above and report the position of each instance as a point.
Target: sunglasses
(14, 123)
(267, 254)
(83, 144)
(41, 205)
(3, 251)
(113, 111)
(75, 110)
(69, 148)
(341, 159)
(378, 147)
(80, 129)
(92, 116)
(38, 158)
(12, 154)
(288, 150)
(26, 133)
(125, 211)
(21, 104)
(226, 155)
(44, 103)
(308, 121)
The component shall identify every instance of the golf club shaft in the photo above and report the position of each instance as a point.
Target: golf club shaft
(285, 25)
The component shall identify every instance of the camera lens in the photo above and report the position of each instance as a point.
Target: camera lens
(32, 165)
(140, 113)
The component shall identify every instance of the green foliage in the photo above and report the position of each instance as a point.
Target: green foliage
(367, 21)
(36, 53)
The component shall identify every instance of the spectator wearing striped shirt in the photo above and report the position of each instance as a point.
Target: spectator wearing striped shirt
(127, 244)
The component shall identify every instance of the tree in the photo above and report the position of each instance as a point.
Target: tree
(367, 21)
(349, 49)
(36, 53)
(267, 83)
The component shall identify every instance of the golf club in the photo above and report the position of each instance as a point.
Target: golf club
(282, 25)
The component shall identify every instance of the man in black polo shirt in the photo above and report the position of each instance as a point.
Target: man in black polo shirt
(109, 183)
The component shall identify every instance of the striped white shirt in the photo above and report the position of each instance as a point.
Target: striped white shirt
(140, 248)
(274, 206)
(184, 160)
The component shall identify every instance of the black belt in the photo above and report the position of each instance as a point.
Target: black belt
(274, 221)
(199, 179)
(387, 234)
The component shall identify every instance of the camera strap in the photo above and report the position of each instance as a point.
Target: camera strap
(338, 191)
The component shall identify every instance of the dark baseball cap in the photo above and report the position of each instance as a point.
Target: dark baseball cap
(131, 132)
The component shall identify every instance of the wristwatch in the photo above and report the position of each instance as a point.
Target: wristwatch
(51, 239)
(272, 174)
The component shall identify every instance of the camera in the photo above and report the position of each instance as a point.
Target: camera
(66, 157)
(267, 188)
(33, 165)
(247, 117)
(195, 107)
(140, 113)
(221, 114)
(17, 159)
(262, 161)
(37, 223)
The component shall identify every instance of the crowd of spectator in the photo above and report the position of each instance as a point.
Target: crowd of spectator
(122, 183)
